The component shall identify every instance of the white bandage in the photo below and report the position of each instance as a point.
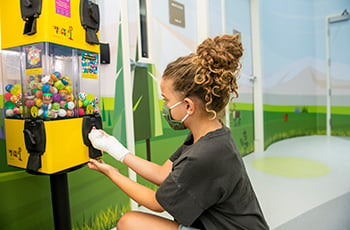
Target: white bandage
(102, 141)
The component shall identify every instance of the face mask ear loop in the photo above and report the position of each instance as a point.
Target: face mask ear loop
(185, 117)
(176, 104)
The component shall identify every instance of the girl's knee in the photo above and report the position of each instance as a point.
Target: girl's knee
(126, 220)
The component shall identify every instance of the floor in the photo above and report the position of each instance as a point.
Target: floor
(302, 183)
(309, 201)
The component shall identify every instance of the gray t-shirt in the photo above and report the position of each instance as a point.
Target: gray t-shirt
(208, 186)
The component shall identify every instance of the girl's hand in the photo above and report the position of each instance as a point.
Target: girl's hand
(101, 166)
(102, 141)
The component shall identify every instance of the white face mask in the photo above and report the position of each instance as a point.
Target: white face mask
(176, 125)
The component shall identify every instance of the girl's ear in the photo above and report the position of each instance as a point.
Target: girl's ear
(190, 105)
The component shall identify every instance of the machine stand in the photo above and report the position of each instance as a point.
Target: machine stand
(60, 201)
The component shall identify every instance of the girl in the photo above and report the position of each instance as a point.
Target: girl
(204, 184)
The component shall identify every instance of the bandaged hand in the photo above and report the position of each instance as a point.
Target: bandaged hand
(102, 141)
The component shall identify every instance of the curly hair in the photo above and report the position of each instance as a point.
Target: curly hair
(210, 74)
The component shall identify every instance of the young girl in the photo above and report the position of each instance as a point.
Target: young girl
(204, 184)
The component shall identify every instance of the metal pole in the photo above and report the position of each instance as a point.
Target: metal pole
(60, 201)
(148, 149)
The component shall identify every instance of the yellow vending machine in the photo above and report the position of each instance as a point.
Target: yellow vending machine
(50, 60)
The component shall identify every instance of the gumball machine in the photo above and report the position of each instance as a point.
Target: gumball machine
(49, 59)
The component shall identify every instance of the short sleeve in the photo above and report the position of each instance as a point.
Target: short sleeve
(176, 154)
(178, 202)
(188, 141)
(194, 185)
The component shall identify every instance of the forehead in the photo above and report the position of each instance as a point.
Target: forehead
(167, 89)
(166, 86)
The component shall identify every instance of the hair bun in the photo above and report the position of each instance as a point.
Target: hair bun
(221, 53)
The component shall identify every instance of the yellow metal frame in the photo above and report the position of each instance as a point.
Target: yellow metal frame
(51, 26)
(64, 145)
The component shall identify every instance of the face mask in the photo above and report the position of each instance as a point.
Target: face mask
(176, 125)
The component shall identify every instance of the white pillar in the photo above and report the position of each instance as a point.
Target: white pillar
(223, 25)
(202, 20)
(129, 118)
(331, 19)
(257, 73)
(328, 81)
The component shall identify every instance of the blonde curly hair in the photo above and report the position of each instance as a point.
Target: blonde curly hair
(209, 74)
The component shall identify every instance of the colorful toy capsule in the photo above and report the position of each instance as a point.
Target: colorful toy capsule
(38, 94)
(56, 97)
(33, 85)
(63, 93)
(69, 89)
(38, 102)
(8, 87)
(81, 111)
(69, 97)
(34, 111)
(70, 113)
(9, 113)
(30, 103)
(16, 110)
(54, 90)
(51, 114)
(40, 85)
(18, 103)
(45, 79)
(59, 85)
(9, 105)
(63, 104)
(16, 89)
(46, 88)
(90, 96)
(30, 78)
(13, 99)
(55, 106)
(90, 109)
(8, 96)
(62, 113)
(20, 109)
(55, 76)
(86, 102)
(82, 96)
(64, 81)
(96, 100)
(70, 105)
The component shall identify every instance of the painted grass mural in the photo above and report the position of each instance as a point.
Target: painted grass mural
(29, 197)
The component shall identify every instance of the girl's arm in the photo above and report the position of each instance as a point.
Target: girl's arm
(150, 171)
(139, 193)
